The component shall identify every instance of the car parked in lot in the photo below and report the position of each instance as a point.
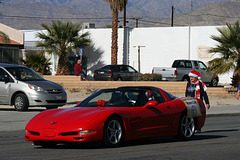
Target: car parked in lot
(116, 73)
(115, 115)
(22, 87)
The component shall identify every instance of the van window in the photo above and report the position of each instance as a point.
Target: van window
(3, 74)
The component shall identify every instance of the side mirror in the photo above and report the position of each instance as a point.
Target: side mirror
(78, 102)
(151, 104)
(6, 79)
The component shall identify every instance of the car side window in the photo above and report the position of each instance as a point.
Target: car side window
(130, 69)
(176, 64)
(157, 96)
(196, 64)
(124, 69)
(188, 64)
(202, 66)
(182, 64)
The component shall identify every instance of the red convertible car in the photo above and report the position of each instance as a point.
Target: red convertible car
(116, 115)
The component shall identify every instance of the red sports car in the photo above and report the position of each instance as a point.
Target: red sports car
(116, 115)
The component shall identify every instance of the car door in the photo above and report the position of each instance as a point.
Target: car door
(147, 121)
(125, 73)
(4, 87)
(133, 74)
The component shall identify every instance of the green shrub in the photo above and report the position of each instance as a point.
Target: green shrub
(150, 77)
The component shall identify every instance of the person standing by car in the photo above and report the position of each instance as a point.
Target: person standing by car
(78, 69)
(196, 88)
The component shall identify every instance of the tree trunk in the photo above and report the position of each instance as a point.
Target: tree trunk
(114, 38)
(63, 65)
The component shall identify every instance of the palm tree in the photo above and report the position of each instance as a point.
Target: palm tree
(61, 38)
(228, 48)
(115, 5)
(4, 37)
(38, 62)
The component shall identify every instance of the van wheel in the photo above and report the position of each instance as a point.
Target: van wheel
(21, 102)
(51, 107)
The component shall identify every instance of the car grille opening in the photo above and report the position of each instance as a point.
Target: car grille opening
(69, 133)
(56, 101)
(79, 138)
(37, 100)
(54, 91)
(34, 133)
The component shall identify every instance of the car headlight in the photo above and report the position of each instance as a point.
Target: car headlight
(84, 132)
(36, 88)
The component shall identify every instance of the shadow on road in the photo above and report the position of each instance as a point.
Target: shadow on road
(29, 110)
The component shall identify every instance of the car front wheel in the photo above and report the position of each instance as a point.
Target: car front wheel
(21, 102)
(51, 107)
(113, 132)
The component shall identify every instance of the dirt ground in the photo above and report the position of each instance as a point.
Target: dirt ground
(75, 96)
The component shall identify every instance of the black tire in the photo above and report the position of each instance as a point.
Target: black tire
(214, 82)
(186, 127)
(185, 78)
(20, 102)
(119, 79)
(113, 132)
(51, 107)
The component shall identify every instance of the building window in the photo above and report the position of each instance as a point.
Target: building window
(9, 55)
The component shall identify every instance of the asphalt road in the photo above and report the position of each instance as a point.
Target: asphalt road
(220, 139)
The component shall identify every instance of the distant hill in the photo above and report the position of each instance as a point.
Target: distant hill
(29, 14)
(210, 14)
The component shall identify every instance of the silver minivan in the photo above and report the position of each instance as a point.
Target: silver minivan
(22, 87)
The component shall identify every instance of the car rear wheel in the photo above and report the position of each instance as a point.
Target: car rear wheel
(185, 78)
(21, 102)
(113, 132)
(214, 82)
(186, 128)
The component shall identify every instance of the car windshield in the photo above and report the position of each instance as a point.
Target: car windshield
(123, 97)
(116, 98)
(24, 74)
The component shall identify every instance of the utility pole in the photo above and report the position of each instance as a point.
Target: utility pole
(172, 16)
(124, 14)
(139, 58)
(136, 18)
(189, 32)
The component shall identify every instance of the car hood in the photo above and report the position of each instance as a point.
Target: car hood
(68, 117)
(47, 85)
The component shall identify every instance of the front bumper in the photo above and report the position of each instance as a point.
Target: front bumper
(47, 99)
(51, 134)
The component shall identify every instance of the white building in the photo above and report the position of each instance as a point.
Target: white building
(160, 46)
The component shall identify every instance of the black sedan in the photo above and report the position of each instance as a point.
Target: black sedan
(116, 73)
